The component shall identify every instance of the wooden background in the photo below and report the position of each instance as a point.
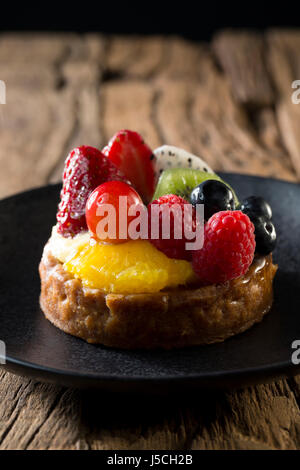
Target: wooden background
(229, 102)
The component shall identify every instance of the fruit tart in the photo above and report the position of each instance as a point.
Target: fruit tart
(124, 266)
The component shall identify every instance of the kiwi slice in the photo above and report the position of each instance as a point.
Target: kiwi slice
(181, 181)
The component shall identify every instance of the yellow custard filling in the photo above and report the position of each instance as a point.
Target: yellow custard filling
(132, 267)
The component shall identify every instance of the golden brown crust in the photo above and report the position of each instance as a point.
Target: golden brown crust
(168, 319)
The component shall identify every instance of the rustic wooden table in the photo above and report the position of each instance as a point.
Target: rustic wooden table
(229, 102)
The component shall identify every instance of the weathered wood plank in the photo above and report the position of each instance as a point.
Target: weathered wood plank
(261, 417)
(283, 59)
(284, 62)
(205, 119)
(135, 56)
(42, 120)
(128, 105)
(186, 60)
(232, 140)
(41, 416)
(33, 132)
(241, 55)
(86, 128)
(28, 79)
(81, 74)
(28, 48)
(36, 415)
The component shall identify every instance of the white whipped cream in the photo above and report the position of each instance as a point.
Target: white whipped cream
(63, 248)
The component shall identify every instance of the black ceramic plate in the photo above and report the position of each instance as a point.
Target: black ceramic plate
(36, 348)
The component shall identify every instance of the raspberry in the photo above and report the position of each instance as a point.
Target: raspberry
(85, 169)
(172, 247)
(228, 249)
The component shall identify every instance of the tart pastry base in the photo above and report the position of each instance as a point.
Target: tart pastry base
(172, 318)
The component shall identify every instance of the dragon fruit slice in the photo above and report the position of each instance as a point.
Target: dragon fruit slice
(169, 156)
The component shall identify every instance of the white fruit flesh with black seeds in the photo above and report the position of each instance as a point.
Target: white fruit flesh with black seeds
(168, 156)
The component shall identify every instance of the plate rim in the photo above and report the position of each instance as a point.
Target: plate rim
(226, 173)
(274, 367)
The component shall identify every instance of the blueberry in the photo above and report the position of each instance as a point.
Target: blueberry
(256, 206)
(215, 195)
(265, 235)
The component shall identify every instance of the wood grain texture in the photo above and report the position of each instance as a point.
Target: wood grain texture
(230, 103)
(284, 63)
(242, 56)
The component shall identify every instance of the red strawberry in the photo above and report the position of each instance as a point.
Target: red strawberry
(85, 169)
(128, 151)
